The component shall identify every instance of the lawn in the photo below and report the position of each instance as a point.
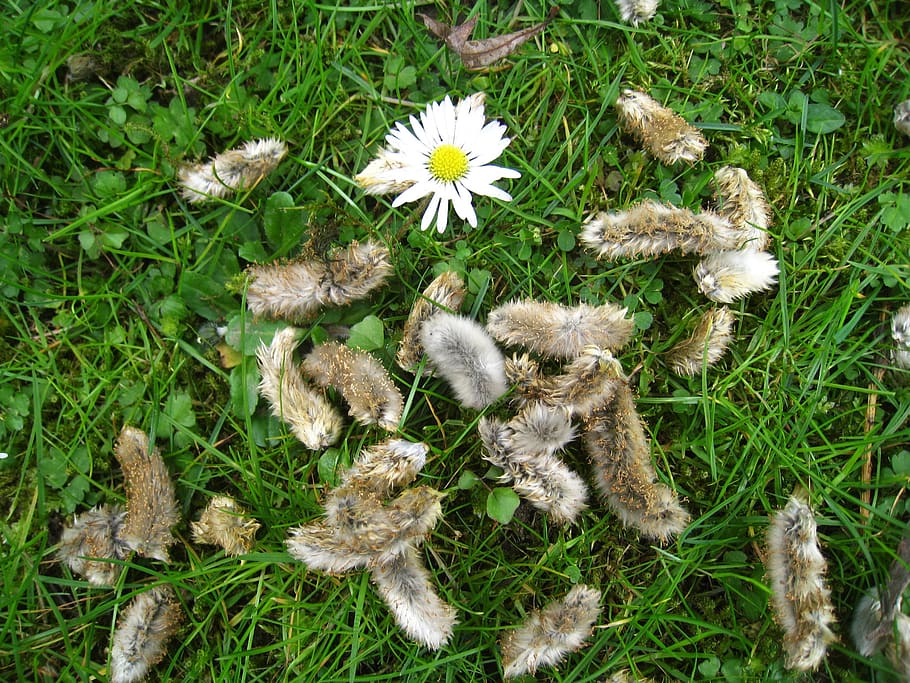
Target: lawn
(123, 303)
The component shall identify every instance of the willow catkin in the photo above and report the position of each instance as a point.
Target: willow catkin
(385, 466)
(902, 117)
(356, 270)
(549, 634)
(726, 276)
(650, 228)
(662, 132)
(312, 419)
(225, 523)
(541, 428)
(151, 505)
(556, 331)
(232, 171)
(706, 345)
(900, 335)
(293, 291)
(636, 12)
(145, 626)
(93, 538)
(743, 203)
(445, 293)
(381, 175)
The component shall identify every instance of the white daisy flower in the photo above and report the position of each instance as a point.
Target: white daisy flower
(446, 154)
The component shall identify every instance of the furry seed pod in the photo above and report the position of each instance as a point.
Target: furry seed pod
(726, 276)
(445, 293)
(539, 428)
(225, 523)
(357, 270)
(620, 453)
(548, 635)
(151, 505)
(705, 346)
(381, 176)
(900, 334)
(872, 627)
(142, 632)
(651, 228)
(233, 171)
(385, 466)
(404, 584)
(363, 382)
(743, 203)
(288, 291)
(466, 356)
(636, 12)
(663, 133)
(540, 478)
(556, 331)
(799, 596)
(902, 117)
(312, 419)
(93, 537)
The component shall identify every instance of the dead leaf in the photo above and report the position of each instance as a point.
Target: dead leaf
(480, 54)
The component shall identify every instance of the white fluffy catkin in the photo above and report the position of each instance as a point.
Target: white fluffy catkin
(636, 12)
(662, 132)
(312, 419)
(548, 635)
(93, 538)
(151, 505)
(556, 331)
(356, 270)
(144, 628)
(225, 523)
(705, 346)
(466, 357)
(743, 203)
(232, 171)
(445, 293)
(900, 335)
(385, 466)
(902, 117)
(404, 584)
(800, 597)
(539, 428)
(726, 276)
(650, 228)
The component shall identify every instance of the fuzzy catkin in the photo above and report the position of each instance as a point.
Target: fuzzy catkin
(93, 537)
(636, 12)
(900, 335)
(404, 584)
(363, 382)
(379, 176)
(650, 228)
(726, 276)
(556, 331)
(662, 132)
(548, 635)
(312, 419)
(743, 203)
(357, 270)
(225, 523)
(539, 428)
(902, 117)
(799, 595)
(466, 357)
(232, 171)
(384, 466)
(445, 293)
(705, 346)
(142, 632)
(151, 505)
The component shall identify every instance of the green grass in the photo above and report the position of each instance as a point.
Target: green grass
(111, 286)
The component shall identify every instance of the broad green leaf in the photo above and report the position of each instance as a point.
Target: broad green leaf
(823, 118)
(204, 296)
(467, 480)
(284, 223)
(327, 466)
(501, 504)
(565, 240)
(368, 334)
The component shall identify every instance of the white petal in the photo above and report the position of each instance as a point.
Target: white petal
(413, 193)
(463, 206)
(430, 212)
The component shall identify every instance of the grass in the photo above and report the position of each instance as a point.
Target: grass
(112, 287)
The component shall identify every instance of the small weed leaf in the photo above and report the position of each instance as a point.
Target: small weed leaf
(895, 210)
(283, 224)
(823, 118)
(467, 480)
(501, 504)
(367, 335)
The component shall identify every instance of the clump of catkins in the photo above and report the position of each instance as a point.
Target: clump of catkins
(94, 535)
(662, 132)
(361, 379)
(900, 335)
(225, 523)
(705, 346)
(799, 595)
(549, 634)
(235, 170)
(556, 331)
(636, 12)
(445, 293)
(142, 633)
(296, 291)
(312, 419)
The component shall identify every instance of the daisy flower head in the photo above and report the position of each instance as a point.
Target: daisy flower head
(446, 155)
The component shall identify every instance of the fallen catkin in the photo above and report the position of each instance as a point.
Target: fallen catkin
(873, 623)
(556, 331)
(312, 419)
(620, 454)
(548, 635)
(385, 466)
(404, 584)
(380, 175)
(726, 276)
(142, 632)
(232, 171)
(225, 523)
(636, 12)
(539, 428)
(799, 596)
(662, 132)
(151, 506)
(93, 537)
(357, 270)
(445, 293)
(363, 382)
(465, 355)
(900, 335)
(743, 203)
(705, 346)
(651, 228)
(902, 117)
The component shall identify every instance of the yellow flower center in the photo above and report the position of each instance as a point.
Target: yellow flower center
(448, 163)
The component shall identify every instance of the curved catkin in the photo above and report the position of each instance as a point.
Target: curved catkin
(142, 632)
(726, 276)
(663, 133)
(312, 419)
(799, 596)
(232, 171)
(356, 270)
(743, 203)
(151, 505)
(292, 291)
(363, 382)
(651, 228)
(705, 346)
(620, 454)
(385, 466)
(466, 357)
(93, 535)
(225, 523)
(404, 584)
(548, 635)
(556, 331)
(445, 293)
